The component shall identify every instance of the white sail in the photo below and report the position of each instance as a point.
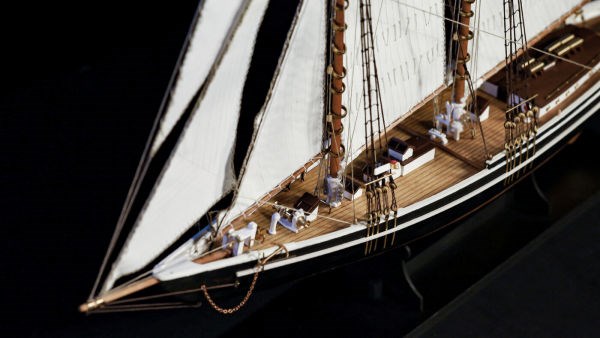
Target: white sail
(215, 20)
(291, 125)
(200, 171)
(538, 14)
(410, 55)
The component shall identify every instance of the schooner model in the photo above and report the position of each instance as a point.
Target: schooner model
(385, 120)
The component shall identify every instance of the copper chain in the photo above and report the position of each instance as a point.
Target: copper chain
(237, 307)
(259, 267)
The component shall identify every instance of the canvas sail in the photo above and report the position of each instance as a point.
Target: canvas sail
(410, 53)
(208, 38)
(200, 171)
(290, 127)
(538, 15)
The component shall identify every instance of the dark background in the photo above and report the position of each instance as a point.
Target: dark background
(81, 85)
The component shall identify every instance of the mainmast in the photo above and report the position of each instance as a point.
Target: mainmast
(464, 35)
(456, 116)
(337, 111)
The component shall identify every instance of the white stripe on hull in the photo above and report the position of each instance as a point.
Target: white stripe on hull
(188, 268)
(447, 192)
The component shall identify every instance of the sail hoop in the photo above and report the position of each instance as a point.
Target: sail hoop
(339, 28)
(332, 72)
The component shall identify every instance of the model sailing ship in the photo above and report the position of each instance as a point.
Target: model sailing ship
(383, 123)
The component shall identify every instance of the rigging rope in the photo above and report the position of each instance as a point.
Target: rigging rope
(521, 121)
(478, 30)
(378, 203)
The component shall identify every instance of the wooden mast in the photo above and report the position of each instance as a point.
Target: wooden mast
(337, 88)
(464, 35)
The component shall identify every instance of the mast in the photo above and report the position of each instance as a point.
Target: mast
(336, 110)
(464, 35)
(454, 119)
(338, 72)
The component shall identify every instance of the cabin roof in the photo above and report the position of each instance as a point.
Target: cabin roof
(398, 145)
(308, 202)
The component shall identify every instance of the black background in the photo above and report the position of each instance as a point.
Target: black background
(81, 84)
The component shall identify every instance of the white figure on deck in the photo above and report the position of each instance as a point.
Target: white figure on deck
(295, 224)
(244, 236)
(452, 119)
(335, 191)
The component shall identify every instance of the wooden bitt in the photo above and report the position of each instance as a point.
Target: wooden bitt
(118, 293)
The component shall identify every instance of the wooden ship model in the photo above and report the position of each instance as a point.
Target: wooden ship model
(384, 121)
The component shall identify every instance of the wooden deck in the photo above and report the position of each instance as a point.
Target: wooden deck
(453, 163)
(444, 171)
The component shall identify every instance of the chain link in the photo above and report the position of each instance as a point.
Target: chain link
(237, 307)
(259, 267)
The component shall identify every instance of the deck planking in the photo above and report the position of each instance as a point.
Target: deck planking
(453, 163)
(426, 181)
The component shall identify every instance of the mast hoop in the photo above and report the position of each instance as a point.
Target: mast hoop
(342, 7)
(342, 152)
(464, 60)
(331, 71)
(466, 37)
(338, 91)
(341, 116)
(336, 132)
(338, 51)
(468, 14)
(338, 28)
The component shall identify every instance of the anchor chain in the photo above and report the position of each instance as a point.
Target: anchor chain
(235, 308)
(259, 267)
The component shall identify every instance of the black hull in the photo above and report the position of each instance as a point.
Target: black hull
(325, 256)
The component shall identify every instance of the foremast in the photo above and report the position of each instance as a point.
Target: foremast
(336, 110)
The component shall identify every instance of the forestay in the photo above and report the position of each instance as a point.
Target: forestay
(538, 15)
(288, 132)
(215, 20)
(410, 53)
(200, 170)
